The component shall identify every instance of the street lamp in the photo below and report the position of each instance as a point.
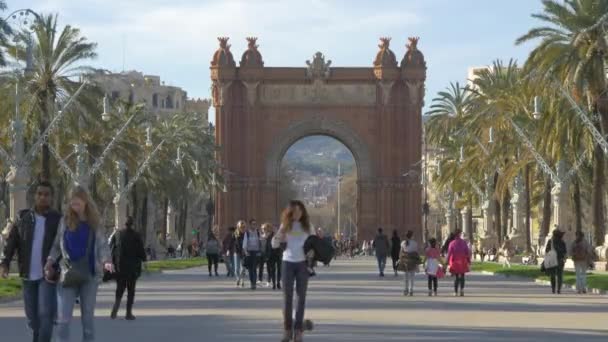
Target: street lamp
(536, 114)
(105, 116)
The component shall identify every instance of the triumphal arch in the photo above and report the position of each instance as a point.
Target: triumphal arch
(375, 111)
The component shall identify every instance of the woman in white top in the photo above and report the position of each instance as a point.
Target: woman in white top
(411, 259)
(295, 229)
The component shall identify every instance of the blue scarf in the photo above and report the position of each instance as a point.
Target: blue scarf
(76, 244)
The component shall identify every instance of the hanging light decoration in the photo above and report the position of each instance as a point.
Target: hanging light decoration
(491, 135)
(536, 113)
(105, 116)
(196, 169)
(461, 154)
(178, 160)
(148, 136)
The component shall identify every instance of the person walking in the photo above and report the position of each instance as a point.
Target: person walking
(84, 254)
(381, 246)
(410, 258)
(275, 256)
(556, 273)
(433, 268)
(263, 257)
(295, 229)
(228, 250)
(582, 255)
(251, 251)
(459, 259)
(31, 237)
(128, 254)
(239, 270)
(507, 251)
(212, 250)
(395, 250)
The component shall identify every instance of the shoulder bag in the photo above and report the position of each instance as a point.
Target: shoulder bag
(551, 257)
(76, 273)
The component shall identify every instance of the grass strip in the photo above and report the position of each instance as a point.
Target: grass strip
(594, 280)
(174, 264)
(10, 288)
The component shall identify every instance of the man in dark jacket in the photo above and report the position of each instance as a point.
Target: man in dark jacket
(381, 247)
(127, 255)
(32, 237)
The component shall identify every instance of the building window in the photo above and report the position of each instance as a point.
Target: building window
(169, 102)
(155, 100)
(162, 104)
(131, 97)
(115, 95)
(177, 104)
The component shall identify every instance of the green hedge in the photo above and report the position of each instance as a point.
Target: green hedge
(174, 264)
(594, 280)
(10, 288)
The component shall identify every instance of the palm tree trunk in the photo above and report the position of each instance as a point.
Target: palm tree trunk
(164, 221)
(470, 219)
(528, 210)
(577, 205)
(546, 221)
(505, 213)
(45, 104)
(598, 196)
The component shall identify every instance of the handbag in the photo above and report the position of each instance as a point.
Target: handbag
(440, 272)
(551, 258)
(76, 273)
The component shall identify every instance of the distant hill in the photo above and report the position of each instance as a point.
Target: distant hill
(319, 155)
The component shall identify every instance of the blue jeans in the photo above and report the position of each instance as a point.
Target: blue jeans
(228, 263)
(40, 303)
(252, 260)
(381, 263)
(294, 272)
(66, 297)
(236, 266)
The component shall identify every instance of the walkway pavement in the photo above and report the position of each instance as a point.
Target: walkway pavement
(348, 302)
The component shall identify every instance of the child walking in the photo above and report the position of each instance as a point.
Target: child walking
(433, 267)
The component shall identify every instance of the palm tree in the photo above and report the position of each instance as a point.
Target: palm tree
(58, 57)
(5, 31)
(573, 49)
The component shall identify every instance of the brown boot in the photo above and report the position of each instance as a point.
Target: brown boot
(299, 336)
(287, 336)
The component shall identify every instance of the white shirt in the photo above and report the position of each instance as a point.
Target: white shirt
(36, 272)
(412, 247)
(295, 244)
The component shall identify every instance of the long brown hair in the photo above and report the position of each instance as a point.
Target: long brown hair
(90, 209)
(287, 216)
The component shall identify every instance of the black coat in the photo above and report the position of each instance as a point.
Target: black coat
(127, 253)
(395, 247)
(21, 237)
(560, 248)
(274, 254)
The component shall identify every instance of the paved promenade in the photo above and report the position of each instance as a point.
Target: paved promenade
(348, 302)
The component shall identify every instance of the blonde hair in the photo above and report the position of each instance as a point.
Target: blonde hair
(239, 224)
(266, 227)
(90, 209)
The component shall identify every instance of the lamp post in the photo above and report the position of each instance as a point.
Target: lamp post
(339, 195)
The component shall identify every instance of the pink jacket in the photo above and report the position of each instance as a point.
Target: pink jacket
(459, 256)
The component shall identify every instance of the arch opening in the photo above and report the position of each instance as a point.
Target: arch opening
(322, 171)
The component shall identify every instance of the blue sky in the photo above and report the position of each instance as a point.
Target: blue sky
(176, 39)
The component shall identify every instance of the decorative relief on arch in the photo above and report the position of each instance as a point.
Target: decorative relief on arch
(318, 125)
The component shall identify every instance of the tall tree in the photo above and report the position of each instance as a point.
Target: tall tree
(59, 55)
(573, 49)
(5, 32)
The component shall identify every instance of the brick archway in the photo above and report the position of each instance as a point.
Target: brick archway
(319, 126)
(375, 111)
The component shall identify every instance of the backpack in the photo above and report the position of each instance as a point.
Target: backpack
(579, 252)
